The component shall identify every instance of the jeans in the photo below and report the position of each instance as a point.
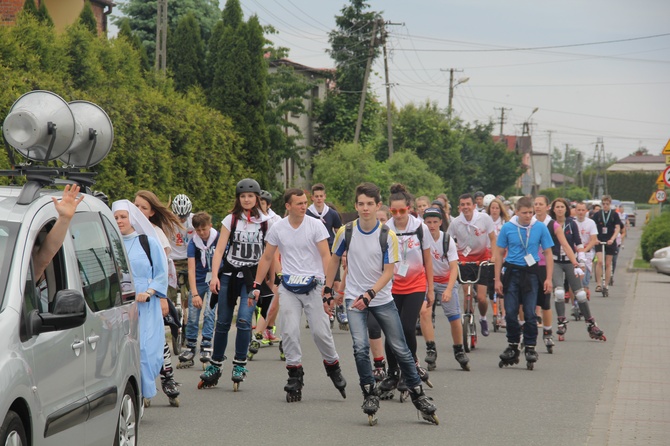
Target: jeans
(225, 318)
(389, 320)
(514, 298)
(193, 323)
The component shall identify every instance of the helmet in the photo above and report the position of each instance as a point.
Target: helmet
(267, 196)
(101, 196)
(181, 205)
(488, 199)
(247, 185)
(479, 194)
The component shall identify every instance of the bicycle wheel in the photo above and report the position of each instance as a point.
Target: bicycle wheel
(466, 332)
(473, 332)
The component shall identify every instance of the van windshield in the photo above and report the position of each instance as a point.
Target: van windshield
(8, 233)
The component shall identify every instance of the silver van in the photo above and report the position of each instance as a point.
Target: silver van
(69, 347)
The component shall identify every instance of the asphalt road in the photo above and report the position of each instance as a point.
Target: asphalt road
(551, 405)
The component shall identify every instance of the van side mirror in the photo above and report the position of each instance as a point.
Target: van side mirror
(69, 311)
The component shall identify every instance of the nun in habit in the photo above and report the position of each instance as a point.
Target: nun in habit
(150, 288)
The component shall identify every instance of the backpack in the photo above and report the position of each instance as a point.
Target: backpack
(383, 238)
(144, 242)
(446, 240)
(173, 320)
(419, 235)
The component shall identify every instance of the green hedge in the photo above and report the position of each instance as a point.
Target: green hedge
(656, 235)
(631, 186)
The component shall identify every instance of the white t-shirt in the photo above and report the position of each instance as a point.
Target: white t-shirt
(440, 264)
(587, 228)
(165, 243)
(472, 237)
(411, 255)
(298, 247)
(365, 260)
(247, 244)
(179, 241)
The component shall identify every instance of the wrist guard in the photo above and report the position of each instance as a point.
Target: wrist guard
(327, 290)
(278, 279)
(366, 301)
(371, 293)
(327, 300)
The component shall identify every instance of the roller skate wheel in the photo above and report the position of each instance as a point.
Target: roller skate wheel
(147, 402)
(530, 365)
(466, 367)
(431, 367)
(561, 338)
(432, 418)
(501, 364)
(404, 396)
(550, 349)
(372, 420)
(236, 387)
(428, 383)
(174, 402)
(201, 384)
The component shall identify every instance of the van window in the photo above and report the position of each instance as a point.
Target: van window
(99, 277)
(8, 233)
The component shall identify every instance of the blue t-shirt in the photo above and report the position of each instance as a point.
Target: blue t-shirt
(523, 240)
(194, 253)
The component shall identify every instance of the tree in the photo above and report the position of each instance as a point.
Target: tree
(142, 16)
(126, 32)
(29, 7)
(186, 53)
(87, 18)
(350, 45)
(44, 16)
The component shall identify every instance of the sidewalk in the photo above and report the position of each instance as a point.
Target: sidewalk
(634, 406)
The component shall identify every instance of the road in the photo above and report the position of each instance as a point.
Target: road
(554, 404)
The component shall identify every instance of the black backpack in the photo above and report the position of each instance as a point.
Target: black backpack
(446, 240)
(144, 242)
(383, 238)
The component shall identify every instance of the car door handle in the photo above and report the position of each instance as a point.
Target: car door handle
(93, 340)
(77, 346)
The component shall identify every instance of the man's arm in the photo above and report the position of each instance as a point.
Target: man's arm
(493, 239)
(217, 258)
(196, 299)
(549, 259)
(497, 268)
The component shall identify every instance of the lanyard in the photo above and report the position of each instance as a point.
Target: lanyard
(525, 245)
(609, 214)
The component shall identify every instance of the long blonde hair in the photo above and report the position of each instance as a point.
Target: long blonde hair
(503, 209)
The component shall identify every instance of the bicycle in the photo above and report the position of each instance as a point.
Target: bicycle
(468, 318)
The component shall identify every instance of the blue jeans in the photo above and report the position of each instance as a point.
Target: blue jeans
(225, 318)
(514, 299)
(193, 323)
(389, 320)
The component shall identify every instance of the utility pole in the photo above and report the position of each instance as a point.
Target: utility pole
(161, 36)
(502, 118)
(361, 106)
(600, 181)
(452, 86)
(389, 115)
(565, 172)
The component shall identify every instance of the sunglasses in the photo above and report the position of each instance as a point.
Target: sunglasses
(401, 211)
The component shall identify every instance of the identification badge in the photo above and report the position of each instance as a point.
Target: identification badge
(208, 277)
(530, 261)
(466, 251)
(562, 252)
(605, 230)
(402, 269)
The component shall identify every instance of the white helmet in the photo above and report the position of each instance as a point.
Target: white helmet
(181, 205)
(488, 199)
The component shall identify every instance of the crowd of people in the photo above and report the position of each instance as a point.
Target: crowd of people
(383, 273)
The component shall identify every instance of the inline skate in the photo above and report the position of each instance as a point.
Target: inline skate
(461, 357)
(169, 386)
(548, 340)
(239, 374)
(254, 345)
(594, 331)
(531, 356)
(210, 377)
(562, 328)
(370, 403)
(269, 336)
(342, 318)
(424, 405)
(510, 356)
(293, 387)
(335, 374)
(389, 384)
(423, 374)
(431, 355)
(205, 355)
(576, 313)
(186, 358)
(403, 391)
(379, 371)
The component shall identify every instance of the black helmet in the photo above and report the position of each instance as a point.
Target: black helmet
(267, 196)
(479, 194)
(247, 185)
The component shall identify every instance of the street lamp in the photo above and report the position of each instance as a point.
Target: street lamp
(453, 85)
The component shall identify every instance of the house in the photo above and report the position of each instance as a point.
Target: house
(560, 180)
(538, 165)
(291, 176)
(62, 12)
(639, 163)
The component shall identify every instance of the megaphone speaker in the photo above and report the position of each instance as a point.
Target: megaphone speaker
(94, 135)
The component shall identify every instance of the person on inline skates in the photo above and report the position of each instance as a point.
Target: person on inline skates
(241, 242)
(589, 235)
(303, 246)
(164, 221)
(372, 251)
(474, 234)
(522, 239)
(200, 251)
(446, 286)
(148, 266)
(565, 265)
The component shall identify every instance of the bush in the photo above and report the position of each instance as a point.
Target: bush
(656, 235)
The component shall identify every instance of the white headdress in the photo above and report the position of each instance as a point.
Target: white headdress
(138, 221)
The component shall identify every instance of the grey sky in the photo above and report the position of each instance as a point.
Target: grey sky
(618, 91)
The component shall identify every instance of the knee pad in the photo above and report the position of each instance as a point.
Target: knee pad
(559, 294)
(580, 296)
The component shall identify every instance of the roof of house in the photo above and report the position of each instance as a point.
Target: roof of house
(300, 67)
(560, 178)
(642, 159)
(104, 2)
(641, 163)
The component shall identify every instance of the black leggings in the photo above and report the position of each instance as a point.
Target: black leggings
(409, 307)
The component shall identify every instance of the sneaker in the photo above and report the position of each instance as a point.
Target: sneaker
(485, 327)
(268, 335)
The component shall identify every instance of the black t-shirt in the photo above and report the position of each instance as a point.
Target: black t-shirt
(609, 220)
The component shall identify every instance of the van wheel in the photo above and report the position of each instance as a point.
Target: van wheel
(126, 429)
(12, 432)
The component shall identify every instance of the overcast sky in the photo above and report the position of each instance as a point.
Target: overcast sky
(619, 91)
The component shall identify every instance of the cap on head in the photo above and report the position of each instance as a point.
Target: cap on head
(432, 212)
(479, 194)
(247, 185)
